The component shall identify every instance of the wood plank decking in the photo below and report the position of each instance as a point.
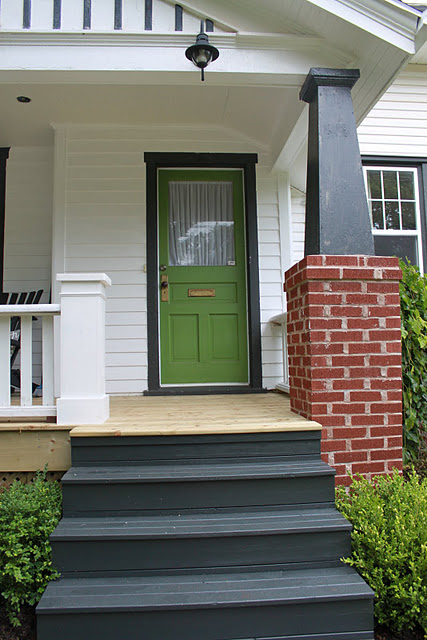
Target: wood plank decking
(189, 415)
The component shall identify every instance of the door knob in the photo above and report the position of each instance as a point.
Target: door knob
(164, 290)
(163, 267)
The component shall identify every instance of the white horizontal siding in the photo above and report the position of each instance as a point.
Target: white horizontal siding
(28, 229)
(298, 225)
(271, 281)
(105, 232)
(397, 125)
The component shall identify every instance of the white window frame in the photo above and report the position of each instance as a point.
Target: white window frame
(417, 233)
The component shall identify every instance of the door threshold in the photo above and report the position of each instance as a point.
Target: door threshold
(202, 391)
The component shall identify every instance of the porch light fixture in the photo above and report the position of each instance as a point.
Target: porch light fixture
(202, 53)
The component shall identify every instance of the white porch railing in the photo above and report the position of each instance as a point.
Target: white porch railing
(79, 360)
(26, 312)
(281, 320)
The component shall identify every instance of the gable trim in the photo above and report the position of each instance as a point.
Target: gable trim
(391, 21)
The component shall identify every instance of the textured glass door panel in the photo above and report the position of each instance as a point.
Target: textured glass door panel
(201, 224)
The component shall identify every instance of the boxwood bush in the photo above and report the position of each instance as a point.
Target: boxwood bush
(389, 545)
(28, 515)
(413, 310)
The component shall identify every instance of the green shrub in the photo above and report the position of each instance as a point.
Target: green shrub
(389, 545)
(413, 309)
(28, 515)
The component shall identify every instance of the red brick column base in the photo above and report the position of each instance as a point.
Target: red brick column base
(345, 358)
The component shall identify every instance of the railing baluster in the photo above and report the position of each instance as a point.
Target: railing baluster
(26, 361)
(178, 17)
(5, 361)
(87, 14)
(47, 360)
(118, 10)
(26, 20)
(57, 14)
(148, 15)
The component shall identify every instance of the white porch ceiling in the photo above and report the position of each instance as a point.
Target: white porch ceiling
(257, 114)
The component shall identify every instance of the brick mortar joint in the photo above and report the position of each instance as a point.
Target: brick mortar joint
(308, 278)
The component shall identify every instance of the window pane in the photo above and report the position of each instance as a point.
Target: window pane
(377, 214)
(406, 179)
(405, 247)
(374, 184)
(390, 184)
(408, 215)
(201, 224)
(392, 220)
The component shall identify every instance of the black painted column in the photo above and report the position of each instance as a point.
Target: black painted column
(4, 154)
(337, 216)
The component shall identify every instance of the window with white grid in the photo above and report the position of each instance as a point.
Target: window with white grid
(393, 199)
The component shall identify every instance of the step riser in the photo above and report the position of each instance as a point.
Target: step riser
(138, 498)
(89, 557)
(352, 617)
(128, 450)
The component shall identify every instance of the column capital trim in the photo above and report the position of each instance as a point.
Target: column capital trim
(101, 278)
(319, 77)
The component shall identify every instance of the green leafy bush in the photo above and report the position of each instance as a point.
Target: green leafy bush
(28, 515)
(389, 545)
(413, 309)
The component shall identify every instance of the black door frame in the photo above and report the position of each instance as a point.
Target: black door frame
(246, 162)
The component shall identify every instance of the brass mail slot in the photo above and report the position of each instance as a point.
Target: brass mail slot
(201, 293)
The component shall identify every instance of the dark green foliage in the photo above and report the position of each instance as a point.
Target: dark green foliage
(389, 545)
(28, 515)
(413, 309)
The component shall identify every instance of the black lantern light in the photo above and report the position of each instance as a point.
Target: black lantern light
(202, 53)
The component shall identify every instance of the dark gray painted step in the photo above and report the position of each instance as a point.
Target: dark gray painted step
(136, 544)
(353, 635)
(141, 489)
(213, 607)
(129, 450)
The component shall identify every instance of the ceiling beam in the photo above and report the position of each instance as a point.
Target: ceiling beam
(250, 60)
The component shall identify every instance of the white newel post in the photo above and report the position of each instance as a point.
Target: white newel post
(83, 399)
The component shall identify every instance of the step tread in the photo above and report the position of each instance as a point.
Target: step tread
(203, 590)
(201, 525)
(199, 472)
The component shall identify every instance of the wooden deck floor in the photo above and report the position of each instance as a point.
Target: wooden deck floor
(27, 445)
(135, 415)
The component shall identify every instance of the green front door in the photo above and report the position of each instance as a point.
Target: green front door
(202, 279)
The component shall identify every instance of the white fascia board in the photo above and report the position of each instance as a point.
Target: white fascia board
(421, 37)
(248, 58)
(389, 20)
